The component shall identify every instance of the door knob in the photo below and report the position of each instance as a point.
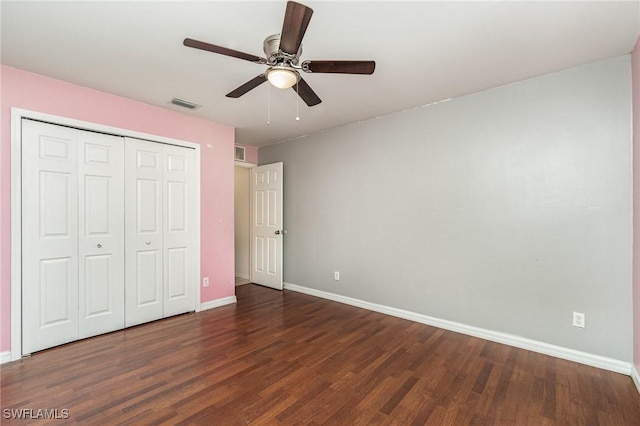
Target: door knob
(278, 232)
(147, 242)
(99, 245)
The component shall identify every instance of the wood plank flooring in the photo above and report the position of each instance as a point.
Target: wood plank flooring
(288, 358)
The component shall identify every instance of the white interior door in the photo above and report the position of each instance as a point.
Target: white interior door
(144, 225)
(73, 245)
(266, 225)
(179, 225)
(160, 199)
(101, 233)
(49, 235)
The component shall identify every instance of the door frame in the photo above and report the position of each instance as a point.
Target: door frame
(245, 165)
(17, 114)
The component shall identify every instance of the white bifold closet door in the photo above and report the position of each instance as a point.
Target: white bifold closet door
(72, 234)
(160, 239)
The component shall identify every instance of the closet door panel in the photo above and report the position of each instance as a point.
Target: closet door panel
(179, 235)
(148, 291)
(101, 233)
(49, 235)
(144, 166)
(177, 274)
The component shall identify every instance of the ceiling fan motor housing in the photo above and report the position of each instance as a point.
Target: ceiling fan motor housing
(271, 47)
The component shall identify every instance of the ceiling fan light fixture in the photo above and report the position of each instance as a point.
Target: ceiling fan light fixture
(282, 77)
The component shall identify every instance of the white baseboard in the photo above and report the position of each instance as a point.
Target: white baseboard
(5, 357)
(636, 377)
(243, 276)
(217, 303)
(593, 360)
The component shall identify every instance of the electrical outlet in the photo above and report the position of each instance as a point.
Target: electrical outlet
(205, 282)
(578, 319)
(336, 275)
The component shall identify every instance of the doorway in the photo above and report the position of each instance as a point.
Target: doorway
(241, 224)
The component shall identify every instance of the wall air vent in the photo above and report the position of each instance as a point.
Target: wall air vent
(184, 104)
(240, 153)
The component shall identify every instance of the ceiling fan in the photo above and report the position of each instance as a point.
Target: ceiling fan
(283, 56)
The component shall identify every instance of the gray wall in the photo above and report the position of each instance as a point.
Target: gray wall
(506, 209)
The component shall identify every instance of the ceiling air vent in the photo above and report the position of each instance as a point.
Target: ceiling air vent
(240, 153)
(184, 104)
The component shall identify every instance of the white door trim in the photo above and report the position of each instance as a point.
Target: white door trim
(17, 115)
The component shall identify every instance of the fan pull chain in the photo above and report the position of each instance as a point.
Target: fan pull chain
(297, 101)
(268, 105)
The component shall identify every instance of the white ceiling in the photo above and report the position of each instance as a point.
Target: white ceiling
(425, 51)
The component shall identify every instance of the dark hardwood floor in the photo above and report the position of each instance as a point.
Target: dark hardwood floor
(288, 358)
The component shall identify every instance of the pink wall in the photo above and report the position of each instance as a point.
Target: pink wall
(42, 94)
(635, 79)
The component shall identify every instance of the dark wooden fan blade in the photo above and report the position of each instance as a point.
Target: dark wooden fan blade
(189, 42)
(249, 85)
(306, 93)
(296, 20)
(341, 67)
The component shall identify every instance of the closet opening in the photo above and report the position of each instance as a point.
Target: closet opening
(105, 223)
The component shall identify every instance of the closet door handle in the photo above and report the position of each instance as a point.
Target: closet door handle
(99, 246)
(148, 242)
